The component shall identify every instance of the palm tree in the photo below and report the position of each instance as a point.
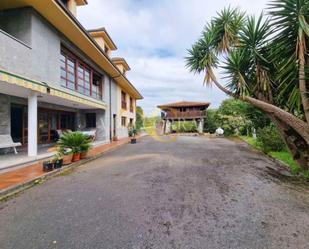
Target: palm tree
(256, 65)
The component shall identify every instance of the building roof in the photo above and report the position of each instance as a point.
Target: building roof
(122, 61)
(63, 20)
(81, 2)
(184, 104)
(101, 32)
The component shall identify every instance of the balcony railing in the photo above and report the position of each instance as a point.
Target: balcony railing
(186, 114)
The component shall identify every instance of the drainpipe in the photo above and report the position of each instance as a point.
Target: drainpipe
(110, 109)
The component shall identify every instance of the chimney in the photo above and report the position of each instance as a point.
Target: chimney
(72, 5)
(103, 39)
(121, 64)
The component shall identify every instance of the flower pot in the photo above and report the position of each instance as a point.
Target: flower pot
(48, 166)
(67, 159)
(84, 154)
(58, 163)
(133, 140)
(76, 157)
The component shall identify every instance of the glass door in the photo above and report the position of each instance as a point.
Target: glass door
(43, 127)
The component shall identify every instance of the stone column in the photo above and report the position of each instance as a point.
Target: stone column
(200, 124)
(32, 124)
(167, 127)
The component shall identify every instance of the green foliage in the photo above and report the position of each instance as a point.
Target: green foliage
(184, 126)
(234, 115)
(151, 121)
(283, 156)
(139, 118)
(269, 139)
(74, 141)
(212, 121)
(132, 132)
(287, 158)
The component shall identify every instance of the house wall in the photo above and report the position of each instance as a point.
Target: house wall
(38, 57)
(123, 130)
(5, 114)
(32, 49)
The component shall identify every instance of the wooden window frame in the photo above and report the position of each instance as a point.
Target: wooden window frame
(78, 63)
(123, 100)
(131, 105)
(123, 121)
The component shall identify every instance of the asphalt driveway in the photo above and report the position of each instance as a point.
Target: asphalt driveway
(193, 193)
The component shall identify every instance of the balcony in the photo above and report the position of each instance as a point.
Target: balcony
(183, 115)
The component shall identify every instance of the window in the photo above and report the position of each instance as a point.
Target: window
(123, 100)
(123, 121)
(131, 122)
(106, 49)
(67, 71)
(91, 120)
(96, 86)
(131, 104)
(78, 76)
(83, 80)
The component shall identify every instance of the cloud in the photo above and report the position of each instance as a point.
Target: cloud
(153, 37)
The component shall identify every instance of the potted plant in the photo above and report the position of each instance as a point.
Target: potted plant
(66, 154)
(132, 134)
(84, 149)
(76, 142)
(58, 161)
(48, 165)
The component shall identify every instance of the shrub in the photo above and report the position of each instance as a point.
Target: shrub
(75, 141)
(269, 139)
(212, 122)
(184, 126)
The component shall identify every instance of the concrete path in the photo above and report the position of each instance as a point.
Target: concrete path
(193, 193)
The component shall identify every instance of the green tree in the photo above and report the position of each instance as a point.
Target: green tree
(265, 64)
(139, 118)
(212, 121)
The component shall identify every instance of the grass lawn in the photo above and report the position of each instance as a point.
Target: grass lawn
(283, 156)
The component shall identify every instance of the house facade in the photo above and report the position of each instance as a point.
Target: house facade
(55, 75)
(183, 111)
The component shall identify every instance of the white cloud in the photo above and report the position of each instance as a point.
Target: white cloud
(153, 37)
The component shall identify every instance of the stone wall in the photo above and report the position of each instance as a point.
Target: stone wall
(5, 114)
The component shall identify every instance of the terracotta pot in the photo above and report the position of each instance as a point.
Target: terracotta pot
(67, 159)
(76, 157)
(84, 155)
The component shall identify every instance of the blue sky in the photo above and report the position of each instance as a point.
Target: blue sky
(153, 36)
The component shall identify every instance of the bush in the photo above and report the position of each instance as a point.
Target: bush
(75, 141)
(212, 122)
(184, 126)
(269, 139)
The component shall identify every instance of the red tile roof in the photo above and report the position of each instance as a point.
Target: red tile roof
(184, 104)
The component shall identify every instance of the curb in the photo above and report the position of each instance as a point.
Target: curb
(14, 190)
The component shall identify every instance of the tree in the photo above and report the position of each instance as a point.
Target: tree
(265, 62)
(139, 118)
(233, 115)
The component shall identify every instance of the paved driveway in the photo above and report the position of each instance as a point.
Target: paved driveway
(190, 193)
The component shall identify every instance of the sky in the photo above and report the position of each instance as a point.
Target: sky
(153, 36)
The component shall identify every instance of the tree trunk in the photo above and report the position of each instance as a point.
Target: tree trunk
(295, 123)
(301, 127)
(297, 146)
(302, 76)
